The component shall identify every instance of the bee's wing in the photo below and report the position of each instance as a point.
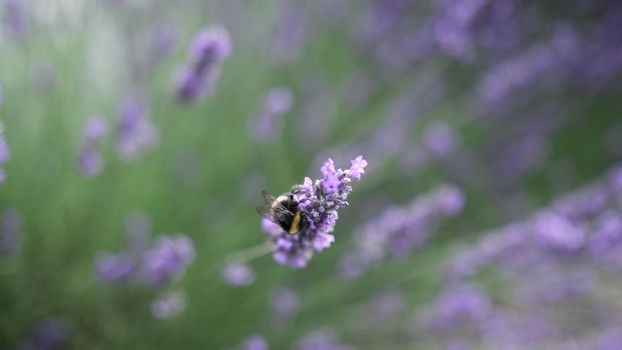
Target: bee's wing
(268, 198)
(265, 212)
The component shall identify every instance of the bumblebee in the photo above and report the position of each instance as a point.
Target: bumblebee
(283, 211)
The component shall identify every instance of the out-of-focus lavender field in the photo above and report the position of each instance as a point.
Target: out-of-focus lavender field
(456, 164)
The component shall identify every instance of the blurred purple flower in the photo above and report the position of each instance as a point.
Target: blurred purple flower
(14, 18)
(557, 232)
(90, 160)
(238, 275)
(520, 73)
(49, 334)
(157, 265)
(95, 128)
(117, 269)
(318, 204)
(5, 154)
(290, 32)
(196, 80)
(10, 231)
(168, 306)
(285, 304)
(400, 230)
(607, 234)
(163, 43)
(453, 29)
(458, 304)
(255, 342)
(555, 285)
(508, 329)
(135, 132)
(276, 104)
(167, 259)
(440, 139)
(358, 168)
(608, 339)
(493, 246)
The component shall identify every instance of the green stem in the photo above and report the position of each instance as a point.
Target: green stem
(246, 255)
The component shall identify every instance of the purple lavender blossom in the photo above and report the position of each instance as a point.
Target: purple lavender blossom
(440, 139)
(277, 103)
(464, 303)
(163, 42)
(270, 227)
(5, 153)
(290, 32)
(49, 334)
(517, 74)
(285, 304)
(559, 261)
(14, 18)
(90, 160)
(499, 243)
(95, 128)
(319, 203)
(609, 339)
(558, 232)
(358, 168)
(116, 269)
(400, 231)
(255, 342)
(10, 231)
(157, 265)
(557, 285)
(167, 259)
(168, 306)
(452, 31)
(209, 49)
(135, 132)
(238, 275)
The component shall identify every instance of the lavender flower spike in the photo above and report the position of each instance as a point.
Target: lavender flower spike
(135, 132)
(255, 342)
(168, 259)
(277, 102)
(197, 78)
(319, 205)
(168, 306)
(238, 275)
(5, 154)
(90, 161)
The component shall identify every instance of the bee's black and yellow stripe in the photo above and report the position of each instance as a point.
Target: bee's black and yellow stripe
(295, 227)
(290, 224)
